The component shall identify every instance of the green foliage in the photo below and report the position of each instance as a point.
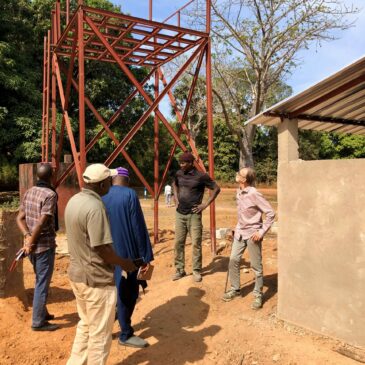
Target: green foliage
(12, 204)
(309, 145)
(265, 154)
(23, 25)
(315, 145)
(266, 171)
(335, 146)
(8, 174)
(225, 152)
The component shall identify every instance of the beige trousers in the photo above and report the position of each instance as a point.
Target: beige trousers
(96, 309)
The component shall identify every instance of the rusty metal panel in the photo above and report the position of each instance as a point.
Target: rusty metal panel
(339, 97)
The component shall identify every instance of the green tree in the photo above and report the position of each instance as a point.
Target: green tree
(260, 41)
(23, 25)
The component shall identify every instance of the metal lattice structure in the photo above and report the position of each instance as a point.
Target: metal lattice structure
(104, 36)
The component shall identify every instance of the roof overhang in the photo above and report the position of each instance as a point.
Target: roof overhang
(335, 104)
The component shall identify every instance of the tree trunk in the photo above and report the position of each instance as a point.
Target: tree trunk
(247, 138)
(11, 283)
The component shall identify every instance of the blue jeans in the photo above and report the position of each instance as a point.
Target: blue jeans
(43, 264)
(128, 291)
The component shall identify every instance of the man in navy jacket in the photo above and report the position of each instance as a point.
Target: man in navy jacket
(130, 240)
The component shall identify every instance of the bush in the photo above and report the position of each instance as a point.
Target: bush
(266, 171)
(8, 176)
(9, 200)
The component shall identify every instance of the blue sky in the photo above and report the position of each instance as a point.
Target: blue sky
(332, 56)
(316, 63)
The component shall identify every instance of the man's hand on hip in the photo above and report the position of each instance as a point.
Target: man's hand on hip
(198, 208)
(256, 237)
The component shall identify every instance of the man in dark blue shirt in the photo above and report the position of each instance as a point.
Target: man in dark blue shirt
(189, 186)
(130, 240)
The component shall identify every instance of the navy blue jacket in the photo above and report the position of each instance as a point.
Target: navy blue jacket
(128, 227)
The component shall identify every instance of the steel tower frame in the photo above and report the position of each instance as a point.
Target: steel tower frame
(105, 36)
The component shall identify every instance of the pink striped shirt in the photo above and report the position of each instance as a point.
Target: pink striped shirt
(251, 205)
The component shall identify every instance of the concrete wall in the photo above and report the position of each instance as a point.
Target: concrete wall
(322, 247)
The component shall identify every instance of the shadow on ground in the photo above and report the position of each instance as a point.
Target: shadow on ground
(171, 329)
(56, 295)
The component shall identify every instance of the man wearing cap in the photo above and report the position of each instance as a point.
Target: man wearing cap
(130, 239)
(91, 269)
(189, 185)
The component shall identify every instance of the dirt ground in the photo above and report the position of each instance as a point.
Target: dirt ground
(184, 322)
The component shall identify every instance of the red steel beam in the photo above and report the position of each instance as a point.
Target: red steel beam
(141, 43)
(48, 92)
(81, 64)
(58, 19)
(100, 133)
(168, 164)
(182, 119)
(148, 23)
(68, 123)
(65, 34)
(182, 123)
(156, 163)
(152, 104)
(90, 40)
(177, 11)
(210, 142)
(137, 41)
(54, 96)
(152, 107)
(208, 15)
(67, 11)
(93, 54)
(67, 97)
(113, 138)
(120, 37)
(158, 49)
(44, 99)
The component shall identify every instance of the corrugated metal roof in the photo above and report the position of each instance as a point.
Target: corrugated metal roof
(335, 104)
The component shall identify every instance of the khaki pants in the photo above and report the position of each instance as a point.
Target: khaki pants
(254, 250)
(192, 224)
(96, 308)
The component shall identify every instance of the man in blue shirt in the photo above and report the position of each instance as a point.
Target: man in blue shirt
(130, 240)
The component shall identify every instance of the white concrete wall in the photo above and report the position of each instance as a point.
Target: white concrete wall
(321, 209)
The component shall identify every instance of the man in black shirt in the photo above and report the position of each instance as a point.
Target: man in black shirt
(189, 186)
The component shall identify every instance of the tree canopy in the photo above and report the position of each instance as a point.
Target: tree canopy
(255, 48)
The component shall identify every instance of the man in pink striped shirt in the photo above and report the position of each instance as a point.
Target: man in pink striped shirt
(249, 232)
